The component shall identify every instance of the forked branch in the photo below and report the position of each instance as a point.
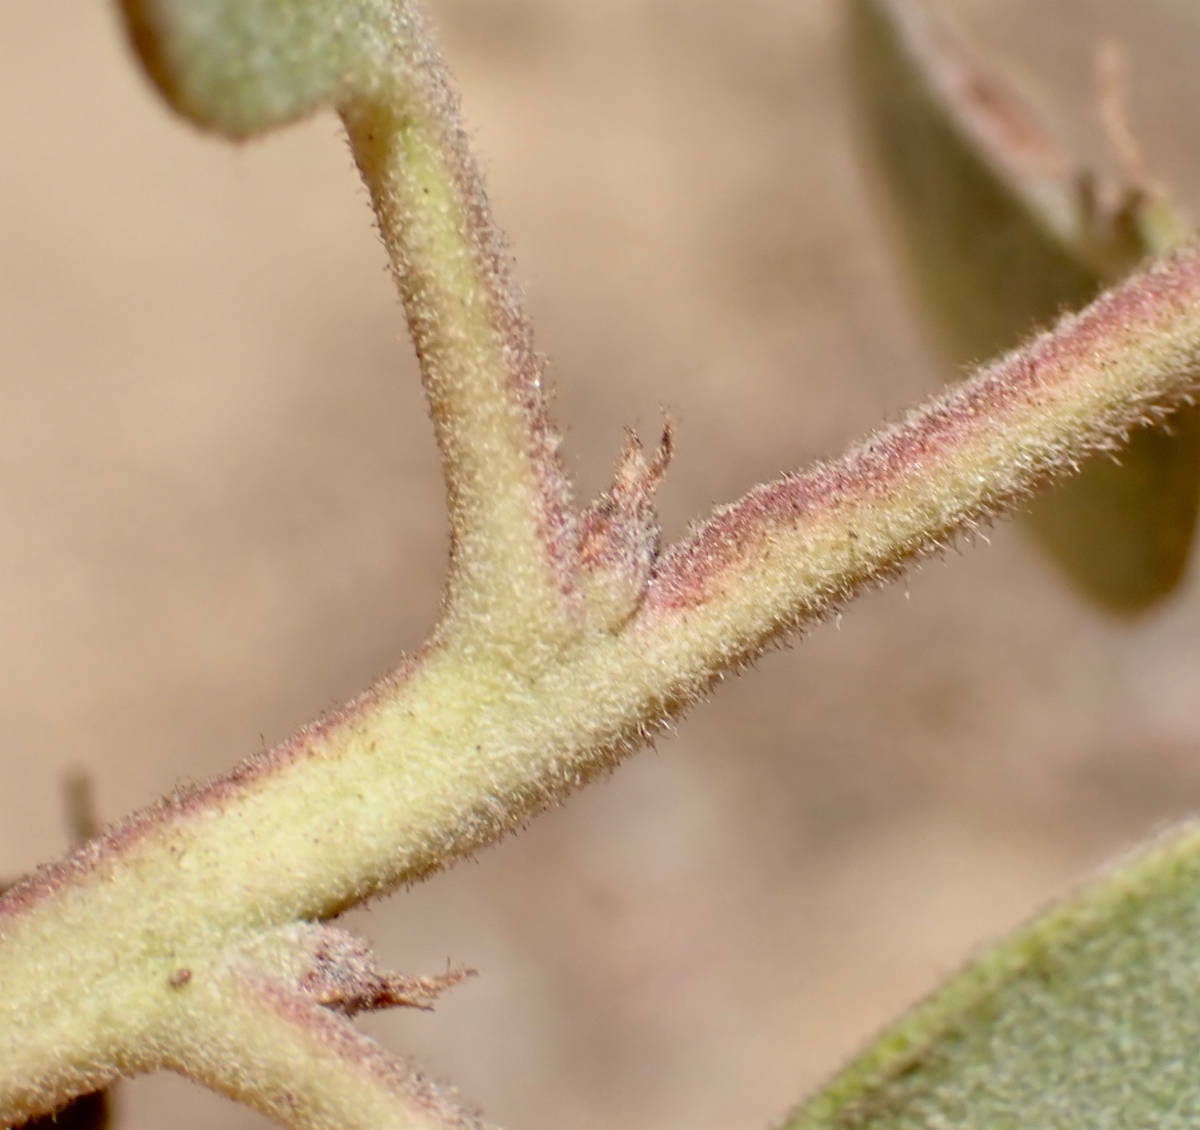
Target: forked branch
(173, 941)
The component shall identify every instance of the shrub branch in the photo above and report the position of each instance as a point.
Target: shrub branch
(173, 941)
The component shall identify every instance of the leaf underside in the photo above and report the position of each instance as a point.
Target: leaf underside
(1002, 231)
(1085, 1020)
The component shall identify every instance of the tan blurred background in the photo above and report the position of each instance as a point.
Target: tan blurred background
(221, 513)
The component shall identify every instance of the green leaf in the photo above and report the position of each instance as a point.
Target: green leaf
(242, 67)
(1002, 230)
(1087, 1019)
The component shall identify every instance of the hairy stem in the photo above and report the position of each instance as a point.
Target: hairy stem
(449, 754)
(549, 665)
(513, 550)
(277, 1050)
(243, 66)
(792, 549)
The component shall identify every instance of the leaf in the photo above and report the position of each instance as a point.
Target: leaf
(246, 66)
(1002, 230)
(1089, 1018)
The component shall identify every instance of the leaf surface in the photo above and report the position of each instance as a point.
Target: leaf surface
(1088, 1019)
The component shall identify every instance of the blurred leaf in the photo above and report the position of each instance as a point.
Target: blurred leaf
(1002, 230)
(1087, 1019)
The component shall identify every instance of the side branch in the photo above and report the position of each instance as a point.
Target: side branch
(242, 67)
(274, 1047)
(512, 536)
(792, 550)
